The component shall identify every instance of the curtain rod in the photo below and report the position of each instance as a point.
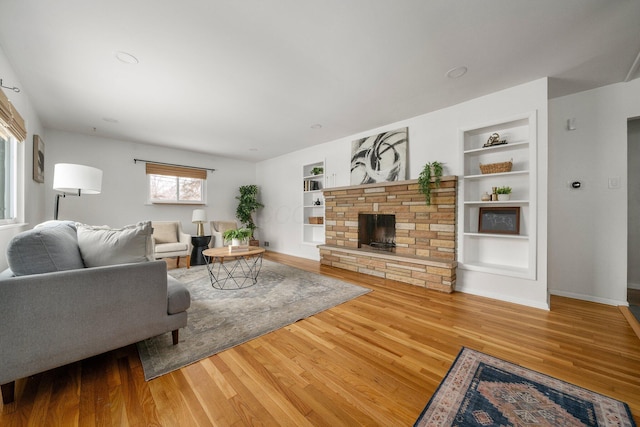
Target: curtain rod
(173, 164)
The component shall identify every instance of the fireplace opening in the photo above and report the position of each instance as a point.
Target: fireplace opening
(377, 231)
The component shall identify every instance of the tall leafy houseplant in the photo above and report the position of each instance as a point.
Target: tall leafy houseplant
(432, 169)
(249, 203)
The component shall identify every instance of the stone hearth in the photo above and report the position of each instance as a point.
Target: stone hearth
(425, 235)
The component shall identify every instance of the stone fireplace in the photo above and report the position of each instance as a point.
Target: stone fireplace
(423, 242)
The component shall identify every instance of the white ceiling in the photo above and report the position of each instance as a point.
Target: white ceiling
(248, 78)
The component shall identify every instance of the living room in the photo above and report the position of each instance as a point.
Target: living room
(581, 249)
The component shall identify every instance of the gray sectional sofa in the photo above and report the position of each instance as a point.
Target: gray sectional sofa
(75, 291)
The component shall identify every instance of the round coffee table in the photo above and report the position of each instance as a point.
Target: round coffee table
(239, 268)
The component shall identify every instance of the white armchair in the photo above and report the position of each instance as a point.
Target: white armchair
(217, 229)
(170, 241)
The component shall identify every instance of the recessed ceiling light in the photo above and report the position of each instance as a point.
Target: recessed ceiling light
(110, 120)
(316, 126)
(456, 72)
(126, 58)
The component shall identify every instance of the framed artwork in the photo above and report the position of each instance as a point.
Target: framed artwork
(380, 158)
(499, 220)
(38, 159)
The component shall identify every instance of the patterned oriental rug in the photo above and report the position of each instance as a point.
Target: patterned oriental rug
(481, 390)
(221, 319)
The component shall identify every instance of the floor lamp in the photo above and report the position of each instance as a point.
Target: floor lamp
(75, 180)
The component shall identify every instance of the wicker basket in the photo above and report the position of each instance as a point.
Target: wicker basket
(316, 220)
(496, 167)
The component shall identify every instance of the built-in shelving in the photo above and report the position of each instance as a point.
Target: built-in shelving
(504, 254)
(312, 204)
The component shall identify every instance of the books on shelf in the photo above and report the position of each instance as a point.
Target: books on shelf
(241, 248)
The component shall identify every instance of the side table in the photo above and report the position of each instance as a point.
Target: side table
(200, 243)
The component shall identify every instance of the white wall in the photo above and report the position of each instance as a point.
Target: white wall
(588, 227)
(32, 210)
(633, 210)
(124, 184)
(432, 136)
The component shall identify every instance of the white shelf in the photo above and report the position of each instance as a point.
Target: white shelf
(505, 254)
(497, 203)
(312, 234)
(504, 147)
(498, 236)
(496, 269)
(495, 175)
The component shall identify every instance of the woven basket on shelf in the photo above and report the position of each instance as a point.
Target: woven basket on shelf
(496, 167)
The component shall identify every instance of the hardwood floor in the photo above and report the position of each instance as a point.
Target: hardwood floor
(375, 360)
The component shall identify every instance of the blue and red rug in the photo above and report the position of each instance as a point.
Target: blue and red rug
(481, 390)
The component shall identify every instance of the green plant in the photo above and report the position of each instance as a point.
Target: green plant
(249, 203)
(503, 190)
(430, 170)
(317, 170)
(237, 233)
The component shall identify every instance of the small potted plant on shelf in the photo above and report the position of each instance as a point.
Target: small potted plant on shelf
(237, 235)
(504, 193)
(430, 170)
(317, 170)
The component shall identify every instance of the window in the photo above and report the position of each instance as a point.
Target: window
(8, 178)
(176, 184)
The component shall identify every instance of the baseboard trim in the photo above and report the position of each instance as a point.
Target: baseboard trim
(633, 322)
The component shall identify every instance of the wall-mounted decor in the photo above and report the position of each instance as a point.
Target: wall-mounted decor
(38, 159)
(499, 220)
(380, 158)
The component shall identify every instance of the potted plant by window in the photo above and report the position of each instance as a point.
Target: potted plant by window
(504, 193)
(430, 170)
(237, 235)
(249, 203)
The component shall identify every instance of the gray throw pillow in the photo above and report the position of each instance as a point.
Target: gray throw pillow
(101, 245)
(51, 246)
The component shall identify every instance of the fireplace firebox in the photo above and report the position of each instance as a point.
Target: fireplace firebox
(377, 231)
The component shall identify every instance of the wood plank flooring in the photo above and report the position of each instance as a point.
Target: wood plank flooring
(375, 360)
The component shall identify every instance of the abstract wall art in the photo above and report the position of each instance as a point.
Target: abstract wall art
(380, 158)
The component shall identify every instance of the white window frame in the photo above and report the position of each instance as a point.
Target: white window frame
(176, 201)
(11, 180)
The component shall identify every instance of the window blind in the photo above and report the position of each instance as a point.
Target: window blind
(11, 119)
(170, 170)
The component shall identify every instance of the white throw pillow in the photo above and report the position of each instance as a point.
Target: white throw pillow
(102, 245)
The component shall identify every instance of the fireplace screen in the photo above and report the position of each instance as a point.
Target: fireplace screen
(377, 231)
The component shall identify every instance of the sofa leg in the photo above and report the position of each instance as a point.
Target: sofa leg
(8, 392)
(188, 261)
(174, 334)
(177, 262)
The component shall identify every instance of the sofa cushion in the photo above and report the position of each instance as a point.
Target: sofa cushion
(52, 246)
(165, 248)
(165, 232)
(178, 296)
(101, 245)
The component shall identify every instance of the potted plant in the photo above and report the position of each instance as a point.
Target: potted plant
(317, 170)
(430, 170)
(504, 193)
(249, 203)
(237, 235)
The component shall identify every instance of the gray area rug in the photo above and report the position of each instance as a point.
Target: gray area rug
(221, 319)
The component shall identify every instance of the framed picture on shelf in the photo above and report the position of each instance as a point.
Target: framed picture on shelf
(499, 220)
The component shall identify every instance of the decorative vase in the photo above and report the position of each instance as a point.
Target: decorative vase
(504, 197)
(486, 197)
(235, 242)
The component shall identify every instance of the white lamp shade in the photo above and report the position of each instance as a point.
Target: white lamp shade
(199, 215)
(70, 178)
